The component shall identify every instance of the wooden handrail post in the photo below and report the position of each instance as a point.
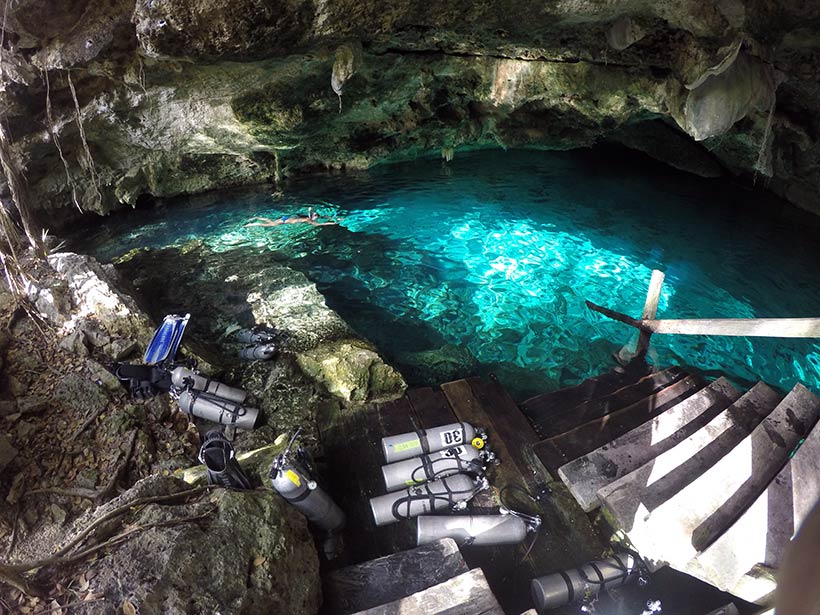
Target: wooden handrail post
(650, 309)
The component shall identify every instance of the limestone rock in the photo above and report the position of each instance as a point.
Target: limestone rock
(623, 33)
(7, 452)
(94, 295)
(724, 98)
(352, 371)
(251, 554)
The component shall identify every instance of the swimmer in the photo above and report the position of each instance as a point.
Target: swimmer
(311, 218)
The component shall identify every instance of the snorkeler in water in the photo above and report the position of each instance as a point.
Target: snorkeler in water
(311, 218)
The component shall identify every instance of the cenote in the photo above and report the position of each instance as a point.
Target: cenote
(482, 264)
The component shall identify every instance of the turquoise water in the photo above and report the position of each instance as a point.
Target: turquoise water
(495, 253)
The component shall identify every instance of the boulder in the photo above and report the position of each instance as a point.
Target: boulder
(246, 552)
(352, 371)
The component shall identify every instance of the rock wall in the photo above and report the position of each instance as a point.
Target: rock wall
(109, 100)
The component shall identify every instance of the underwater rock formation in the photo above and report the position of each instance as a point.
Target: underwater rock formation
(111, 101)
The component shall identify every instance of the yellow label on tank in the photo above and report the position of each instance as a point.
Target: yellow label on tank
(403, 446)
(412, 482)
(294, 478)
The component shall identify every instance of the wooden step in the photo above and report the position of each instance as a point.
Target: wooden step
(668, 473)
(391, 577)
(587, 474)
(677, 529)
(760, 536)
(466, 594)
(558, 450)
(541, 407)
(563, 420)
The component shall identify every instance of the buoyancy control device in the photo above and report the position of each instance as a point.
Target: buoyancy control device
(292, 477)
(217, 410)
(218, 456)
(560, 588)
(452, 492)
(472, 530)
(424, 441)
(454, 460)
(182, 377)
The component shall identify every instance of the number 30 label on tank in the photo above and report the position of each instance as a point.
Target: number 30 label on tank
(449, 438)
(456, 451)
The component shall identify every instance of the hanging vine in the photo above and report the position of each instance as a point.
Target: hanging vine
(89, 160)
(56, 139)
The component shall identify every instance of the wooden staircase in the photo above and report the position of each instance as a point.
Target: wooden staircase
(428, 580)
(700, 476)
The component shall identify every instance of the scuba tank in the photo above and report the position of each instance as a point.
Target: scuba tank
(260, 351)
(471, 530)
(291, 478)
(255, 335)
(562, 588)
(217, 410)
(183, 377)
(452, 492)
(419, 470)
(423, 441)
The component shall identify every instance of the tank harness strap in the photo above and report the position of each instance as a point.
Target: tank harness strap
(570, 588)
(427, 466)
(463, 433)
(298, 498)
(425, 444)
(597, 570)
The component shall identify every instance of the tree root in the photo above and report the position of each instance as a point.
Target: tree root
(11, 573)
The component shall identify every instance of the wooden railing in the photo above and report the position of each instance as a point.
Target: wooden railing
(749, 327)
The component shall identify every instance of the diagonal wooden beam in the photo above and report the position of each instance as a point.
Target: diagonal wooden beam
(745, 327)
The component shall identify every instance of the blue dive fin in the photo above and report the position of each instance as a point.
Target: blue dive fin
(166, 340)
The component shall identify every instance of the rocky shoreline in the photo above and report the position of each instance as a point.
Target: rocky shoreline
(75, 447)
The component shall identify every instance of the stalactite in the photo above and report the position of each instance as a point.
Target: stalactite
(53, 131)
(95, 179)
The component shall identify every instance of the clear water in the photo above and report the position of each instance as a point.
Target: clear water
(496, 252)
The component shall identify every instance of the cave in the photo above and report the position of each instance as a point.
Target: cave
(257, 255)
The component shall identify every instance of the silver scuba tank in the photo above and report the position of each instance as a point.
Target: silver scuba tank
(217, 409)
(560, 588)
(452, 492)
(474, 530)
(259, 351)
(423, 441)
(417, 470)
(290, 480)
(183, 377)
(256, 335)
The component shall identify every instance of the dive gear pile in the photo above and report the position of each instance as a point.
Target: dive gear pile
(292, 477)
(197, 395)
(218, 455)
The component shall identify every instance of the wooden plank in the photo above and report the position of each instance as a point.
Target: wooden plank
(676, 530)
(542, 406)
(761, 534)
(392, 577)
(589, 473)
(596, 408)
(668, 473)
(466, 594)
(729, 609)
(746, 327)
(558, 450)
(430, 407)
(650, 309)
